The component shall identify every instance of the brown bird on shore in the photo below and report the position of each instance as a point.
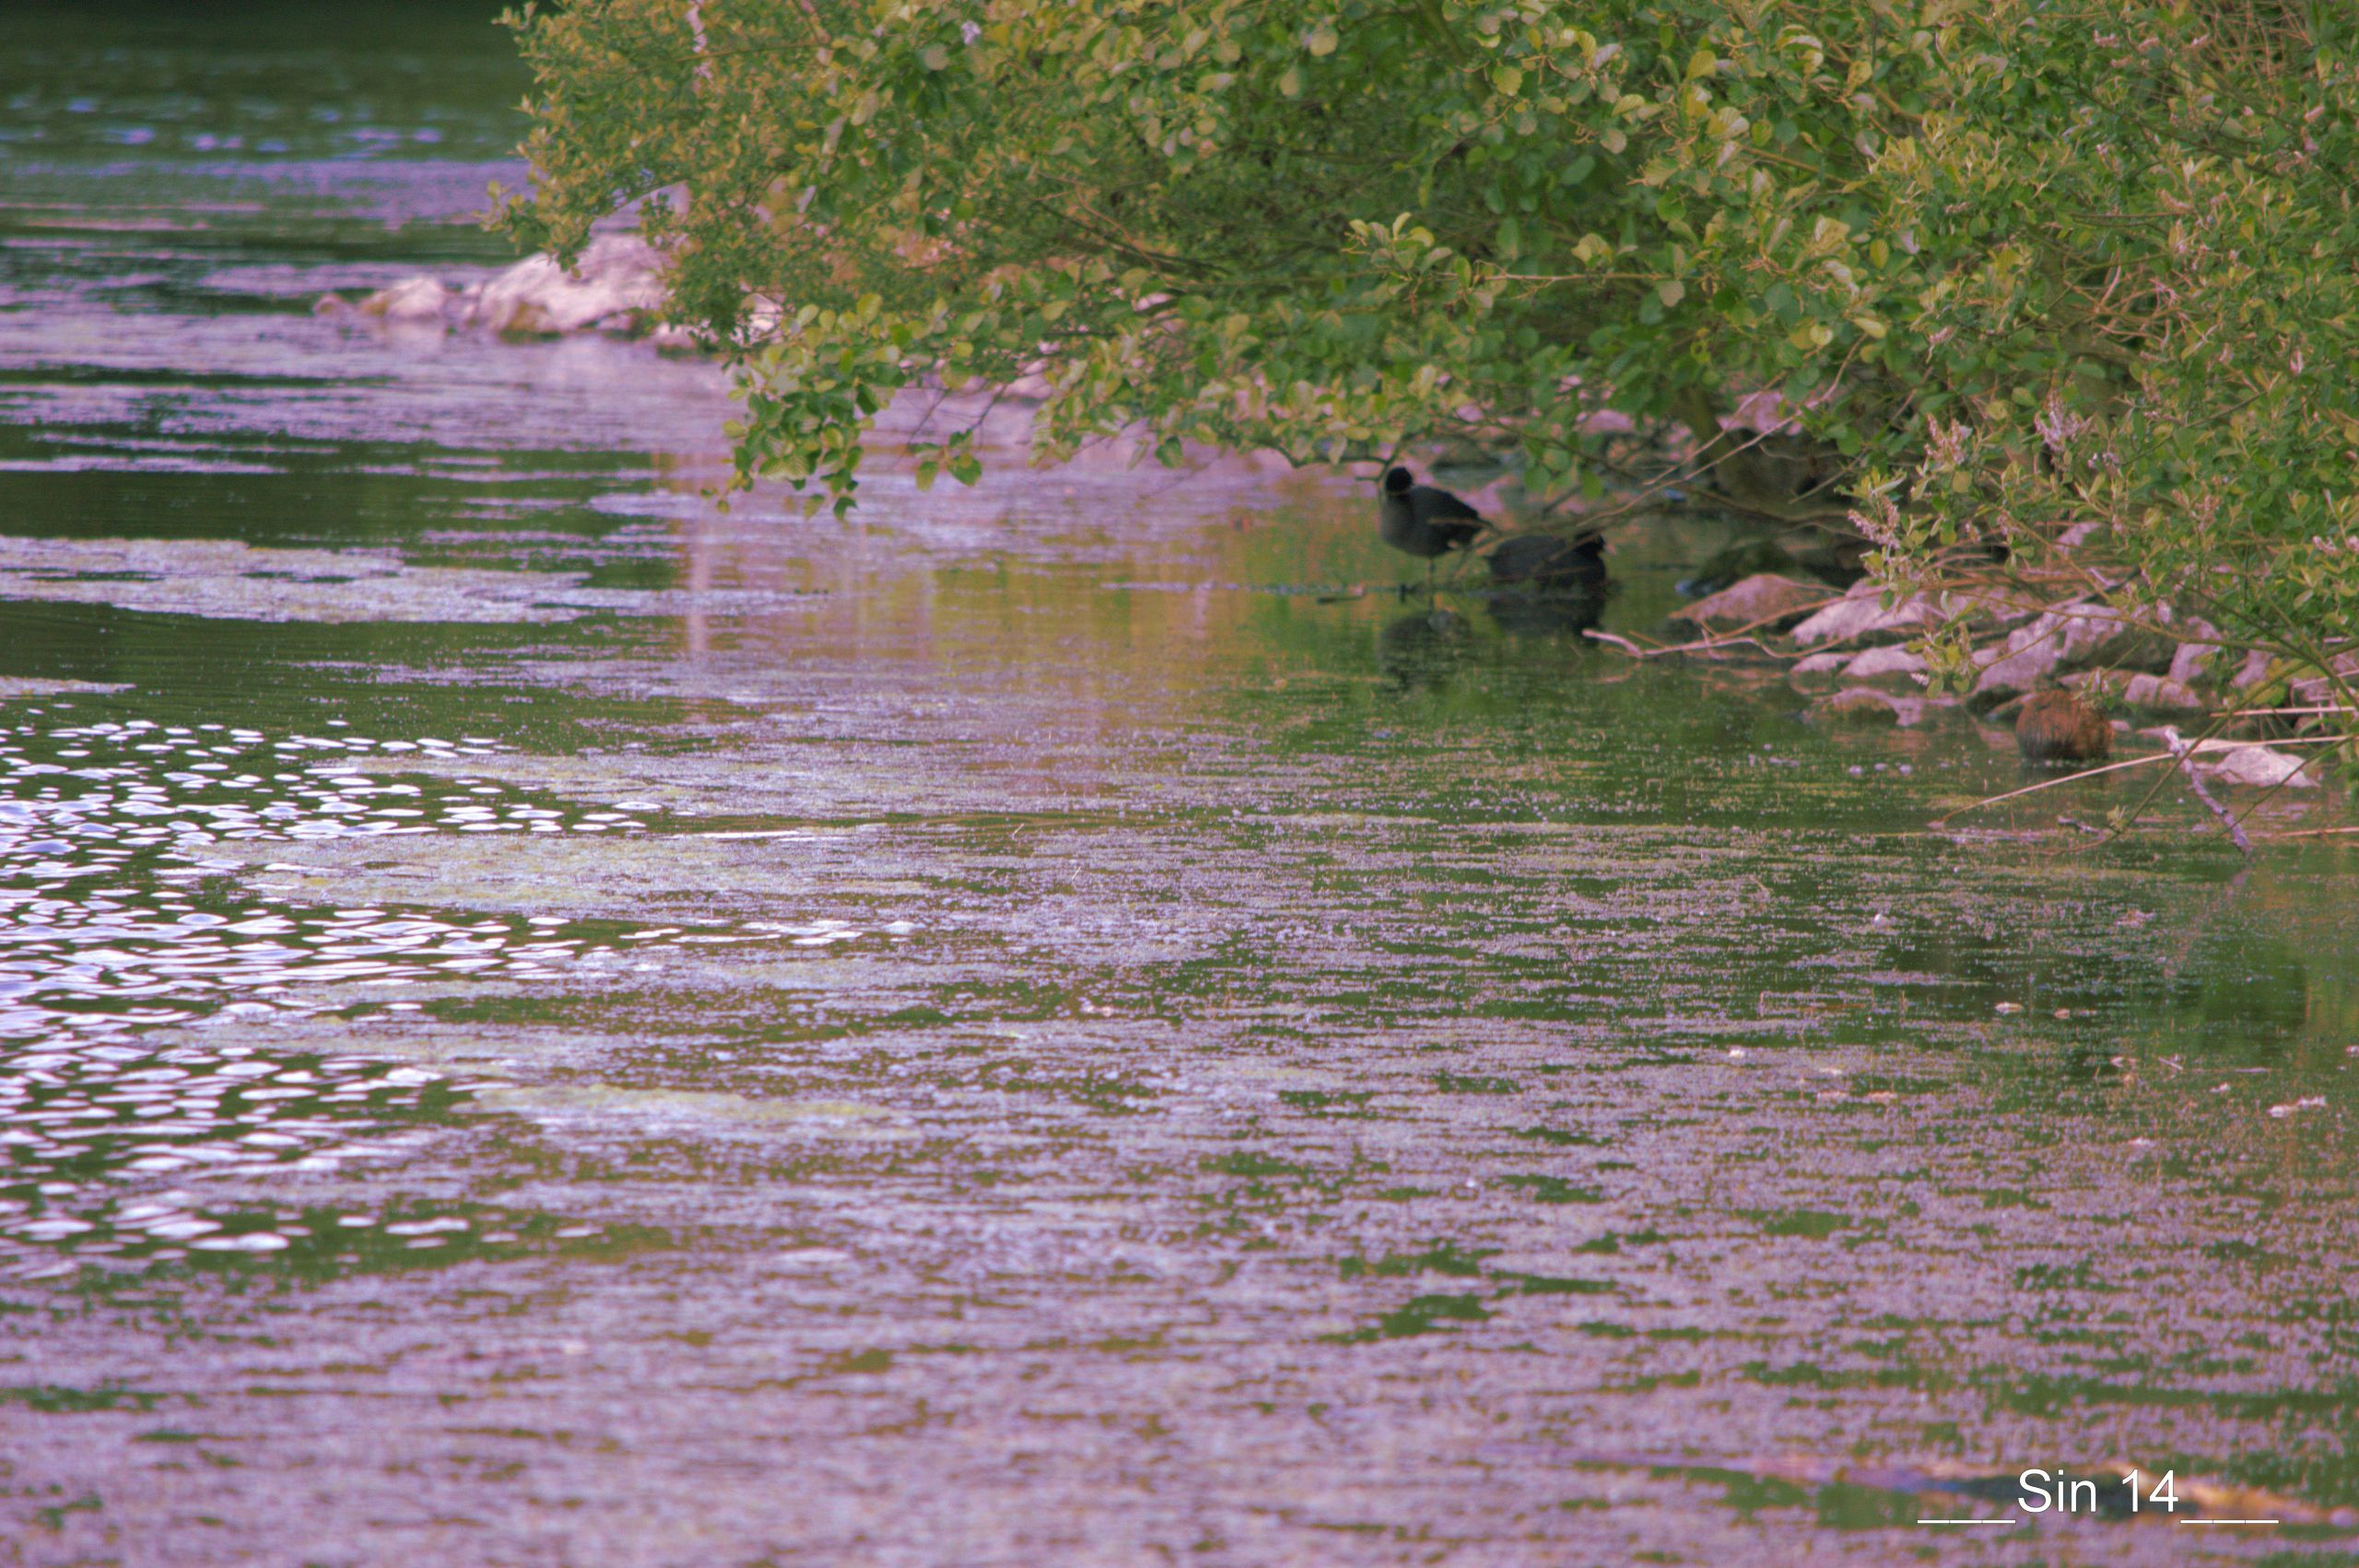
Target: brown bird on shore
(2058, 728)
(1421, 520)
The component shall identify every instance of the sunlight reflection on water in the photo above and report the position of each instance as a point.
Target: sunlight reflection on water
(115, 921)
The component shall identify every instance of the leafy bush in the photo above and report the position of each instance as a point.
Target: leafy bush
(2025, 264)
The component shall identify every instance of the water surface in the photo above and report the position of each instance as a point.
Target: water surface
(541, 1021)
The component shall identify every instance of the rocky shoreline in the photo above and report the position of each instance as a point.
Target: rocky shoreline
(1849, 654)
(615, 289)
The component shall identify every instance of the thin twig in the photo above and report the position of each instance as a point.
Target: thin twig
(2283, 712)
(2197, 747)
(1636, 650)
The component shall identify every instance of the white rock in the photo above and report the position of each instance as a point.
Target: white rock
(413, 299)
(1893, 663)
(616, 284)
(2257, 766)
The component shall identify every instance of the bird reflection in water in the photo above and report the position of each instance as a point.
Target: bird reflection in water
(1421, 649)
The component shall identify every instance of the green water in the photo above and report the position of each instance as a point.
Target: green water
(541, 1022)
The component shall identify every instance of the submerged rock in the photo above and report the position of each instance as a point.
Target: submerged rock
(616, 286)
(1544, 564)
(1865, 706)
(13, 686)
(1734, 564)
(2062, 727)
(1763, 600)
(1819, 669)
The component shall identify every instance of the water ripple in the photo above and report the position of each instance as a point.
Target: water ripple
(117, 918)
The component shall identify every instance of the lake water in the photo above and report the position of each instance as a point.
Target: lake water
(542, 1022)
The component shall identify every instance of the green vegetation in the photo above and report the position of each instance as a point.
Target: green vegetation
(2020, 265)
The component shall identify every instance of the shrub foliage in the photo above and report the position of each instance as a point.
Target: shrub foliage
(2025, 264)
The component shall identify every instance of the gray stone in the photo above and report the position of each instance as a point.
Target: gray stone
(1818, 668)
(2318, 691)
(2086, 635)
(1860, 615)
(2077, 637)
(2190, 660)
(2160, 694)
(2157, 695)
(1762, 601)
(2008, 675)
